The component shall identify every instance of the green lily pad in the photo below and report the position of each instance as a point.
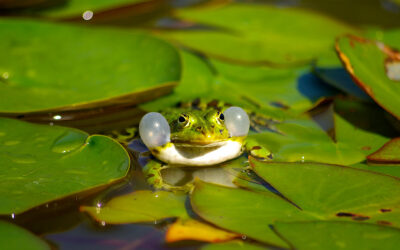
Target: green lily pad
(335, 192)
(375, 68)
(242, 211)
(13, 237)
(389, 153)
(233, 245)
(48, 66)
(273, 92)
(392, 170)
(140, 206)
(73, 8)
(390, 37)
(338, 235)
(355, 131)
(260, 35)
(41, 163)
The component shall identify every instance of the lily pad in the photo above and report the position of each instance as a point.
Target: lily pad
(338, 235)
(248, 213)
(36, 159)
(49, 66)
(355, 136)
(388, 154)
(335, 192)
(255, 39)
(233, 245)
(273, 92)
(375, 68)
(73, 8)
(140, 206)
(13, 237)
(190, 229)
(393, 170)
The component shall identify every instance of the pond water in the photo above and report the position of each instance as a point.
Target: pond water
(62, 224)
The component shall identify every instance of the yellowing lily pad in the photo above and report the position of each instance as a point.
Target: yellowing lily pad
(375, 68)
(140, 206)
(52, 66)
(338, 235)
(13, 237)
(249, 33)
(387, 154)
(190, 229)
(41, 163)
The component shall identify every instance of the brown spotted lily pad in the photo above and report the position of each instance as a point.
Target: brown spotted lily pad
(375, 68)
(388, 153)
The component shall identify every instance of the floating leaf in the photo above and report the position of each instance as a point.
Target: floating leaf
(338, 235)
(370, 65)
(244, 212)
(253, 38)
(190, 229)
(140, 206)
(41, 163)
(14, 237)
(388, 153)
(273, 92)
(393, 170)
(233, 245)
(302, 139)
(73, 8)
(47, 66)
(335, 192)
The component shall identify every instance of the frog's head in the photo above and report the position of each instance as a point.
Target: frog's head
(193, 128)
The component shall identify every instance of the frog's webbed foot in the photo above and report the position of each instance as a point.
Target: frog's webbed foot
(256, 150)
(152, 173)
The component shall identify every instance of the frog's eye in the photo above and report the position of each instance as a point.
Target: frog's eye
(237, 121)
(183, 120)
(154, 130)
(221, 116)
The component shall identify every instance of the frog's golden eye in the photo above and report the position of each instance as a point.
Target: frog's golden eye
(183, 120)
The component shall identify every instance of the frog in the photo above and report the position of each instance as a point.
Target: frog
(195, 137)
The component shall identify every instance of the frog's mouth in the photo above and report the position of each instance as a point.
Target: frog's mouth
(199, 144)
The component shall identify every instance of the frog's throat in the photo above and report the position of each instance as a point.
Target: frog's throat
(198, 156)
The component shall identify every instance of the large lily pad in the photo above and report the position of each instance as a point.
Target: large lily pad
(253, 38)
(274, 92)
(338, 235)
(375, 68)
(393, 170)
(335, 192)
(46, 66)
(13, 237)
(41, 163)
(140, 206)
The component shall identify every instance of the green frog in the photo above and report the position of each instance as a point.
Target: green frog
(187, 137)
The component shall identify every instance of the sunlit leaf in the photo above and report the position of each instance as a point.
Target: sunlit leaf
(375, 68)
(47, 66)
(41, 163)
(190, 229)
(262, 34)
(233, 245)
(338, 235)
(393, 170)
(140, 206)
(13, 237)
(335, 192)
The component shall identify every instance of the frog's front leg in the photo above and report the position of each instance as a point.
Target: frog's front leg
(255, 149)
(152, 172)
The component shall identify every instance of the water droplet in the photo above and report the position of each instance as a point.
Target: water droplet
(5, 75)
(244, 237)
(12, 216)
(68, 142)
(57, 117)
(156, 195)
(87, 15)
(103, 223)
(98, 204)
(302, 158)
